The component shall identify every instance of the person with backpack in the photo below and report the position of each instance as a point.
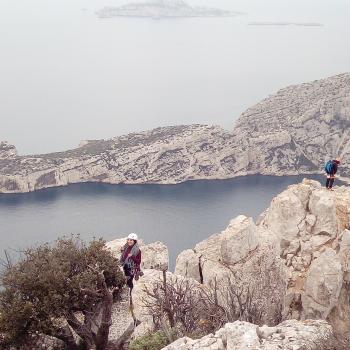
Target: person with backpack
(131, 260)
(331, 169)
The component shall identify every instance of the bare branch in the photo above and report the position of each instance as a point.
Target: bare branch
(91, 293)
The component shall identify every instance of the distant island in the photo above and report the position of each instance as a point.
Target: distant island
(158, 9)
(304, 24)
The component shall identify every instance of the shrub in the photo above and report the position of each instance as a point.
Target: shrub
(152, 341)
(56, 288)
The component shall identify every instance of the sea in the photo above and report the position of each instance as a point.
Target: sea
(179, 215)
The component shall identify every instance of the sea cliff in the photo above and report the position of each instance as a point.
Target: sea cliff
(291, 132)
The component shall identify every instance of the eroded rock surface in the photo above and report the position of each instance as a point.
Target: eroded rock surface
(246, 254)
(298, 255)
(289, 335)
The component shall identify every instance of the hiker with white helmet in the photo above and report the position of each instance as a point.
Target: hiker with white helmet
(131, 260)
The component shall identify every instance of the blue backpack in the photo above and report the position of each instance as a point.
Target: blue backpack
(329, 167)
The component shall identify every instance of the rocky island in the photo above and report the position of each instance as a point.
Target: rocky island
(158, 9)
(291, 132)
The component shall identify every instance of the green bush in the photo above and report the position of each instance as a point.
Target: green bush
(43, 292)
(152, 341)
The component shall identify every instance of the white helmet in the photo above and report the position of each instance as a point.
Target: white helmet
(133, 236)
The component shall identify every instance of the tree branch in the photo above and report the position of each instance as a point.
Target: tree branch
(83, 332)
(65, 334)
(91, 293)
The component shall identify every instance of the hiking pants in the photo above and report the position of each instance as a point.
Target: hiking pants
(330, 181)
(129, 276)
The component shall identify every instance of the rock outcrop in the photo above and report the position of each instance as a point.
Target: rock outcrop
(7, 151)
(297, 255)
(292, 132)
(249, 257)
(289, 335)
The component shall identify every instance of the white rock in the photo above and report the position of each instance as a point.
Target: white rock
(285, 214)
(238, 240)
(323, 285)
(322, 205)
(303, 335)
(187, 265)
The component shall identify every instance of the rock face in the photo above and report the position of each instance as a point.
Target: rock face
(163, 155)
(301, 126)
(301, 335)
(296, 257)
(248, 256)
(292, 132)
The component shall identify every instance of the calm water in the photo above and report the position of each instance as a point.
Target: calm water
(67, 75)
(179, 215)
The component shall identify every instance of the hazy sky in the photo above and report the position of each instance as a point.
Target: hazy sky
(67, 75)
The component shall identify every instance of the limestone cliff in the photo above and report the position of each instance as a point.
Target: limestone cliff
(291, 132)
(296, 256)
(296, 261)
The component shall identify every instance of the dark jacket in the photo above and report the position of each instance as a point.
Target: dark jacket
(335, 166)
(134, 261)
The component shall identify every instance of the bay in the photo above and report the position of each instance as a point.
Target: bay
(178, 215)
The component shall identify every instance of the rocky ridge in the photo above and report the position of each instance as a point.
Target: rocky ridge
(295, 257)
(292, 132)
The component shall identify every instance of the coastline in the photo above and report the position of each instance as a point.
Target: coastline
(274, 137)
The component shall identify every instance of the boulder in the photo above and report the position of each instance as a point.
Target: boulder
(188, 265)
(322, 206)
(286, 216)
(238, 240)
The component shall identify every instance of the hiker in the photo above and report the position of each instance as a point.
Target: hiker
(131, 260)
(331, 169)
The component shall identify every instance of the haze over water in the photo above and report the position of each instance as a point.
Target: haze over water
(67, 75)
